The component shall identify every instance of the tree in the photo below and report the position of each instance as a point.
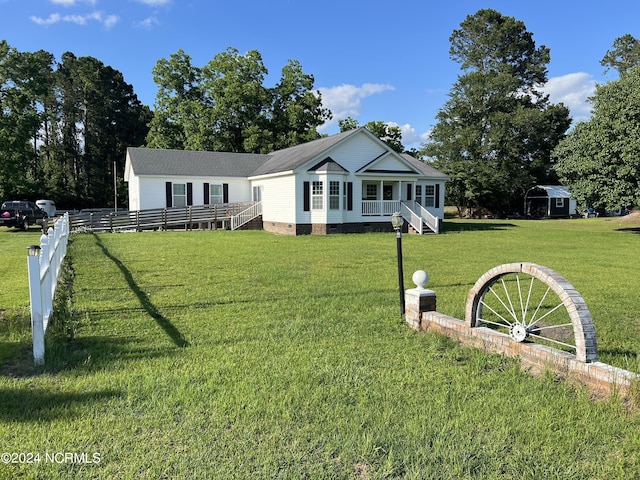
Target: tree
(600, 159)
(495, 134)
(225, 105)
(624, 55)
(179, 96)
(63, 131)
(24, 81)
(100, 116)
(388, 133)
(296, 110)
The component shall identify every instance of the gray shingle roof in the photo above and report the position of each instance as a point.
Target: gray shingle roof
(425, 168)
(292, 157)
(151, 161)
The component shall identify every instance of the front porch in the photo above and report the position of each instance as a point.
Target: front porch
(413, 213)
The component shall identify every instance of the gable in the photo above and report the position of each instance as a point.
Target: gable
(388, 163)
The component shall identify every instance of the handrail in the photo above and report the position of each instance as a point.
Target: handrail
(431, 220)
(423, 216)
(414, 219)
(246, 215)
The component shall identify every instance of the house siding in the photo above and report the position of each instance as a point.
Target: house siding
(151, 191)
(279, 199)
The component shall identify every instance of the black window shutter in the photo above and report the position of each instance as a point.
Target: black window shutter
(225, 193)
(349, 195)
(306, 192)
(205, 193)
(409, 191)
(437, 195)
(189, 193)
(169, 195)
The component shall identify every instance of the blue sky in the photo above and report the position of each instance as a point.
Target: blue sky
(372, 60)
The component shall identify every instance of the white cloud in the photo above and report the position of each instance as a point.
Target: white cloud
(155, 3)
(108, 21)
(346, 100)
(410, 136)
(50, 20)
(71, 3)
(148, 23)
(572, 90)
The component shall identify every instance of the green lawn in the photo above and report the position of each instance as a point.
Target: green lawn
(250, 355)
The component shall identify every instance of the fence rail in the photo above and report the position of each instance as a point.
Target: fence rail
(44, 263)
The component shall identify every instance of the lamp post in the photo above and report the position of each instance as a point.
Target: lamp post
(397, 221)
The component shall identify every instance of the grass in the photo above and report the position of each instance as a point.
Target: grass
(250, 355)
(15, 329)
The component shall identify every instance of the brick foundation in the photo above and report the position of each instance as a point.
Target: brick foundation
(325, 228)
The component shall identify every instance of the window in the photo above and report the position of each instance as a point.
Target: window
(429, 195)
(216, 194)
(179, 195)
(419, 194)
(371, 191)
(559, 202)
(334, 195)
(317, 200)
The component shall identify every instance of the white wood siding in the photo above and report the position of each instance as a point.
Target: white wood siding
(279, 199)
(134, 193)
(391, 162)
(152, 190)
(356, 153)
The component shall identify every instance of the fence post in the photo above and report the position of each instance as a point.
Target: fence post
(35, 297)
(419, 300)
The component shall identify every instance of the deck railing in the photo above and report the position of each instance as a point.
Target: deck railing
(159, 218)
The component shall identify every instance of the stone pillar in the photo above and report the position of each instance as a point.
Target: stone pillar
(418, 300)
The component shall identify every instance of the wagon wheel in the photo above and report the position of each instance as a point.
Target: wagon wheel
(531, 303)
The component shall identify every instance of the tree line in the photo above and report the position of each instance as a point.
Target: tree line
(65, 125)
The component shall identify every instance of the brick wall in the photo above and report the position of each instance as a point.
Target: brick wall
(421, 314)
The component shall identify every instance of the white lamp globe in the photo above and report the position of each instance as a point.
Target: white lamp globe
(420, 278)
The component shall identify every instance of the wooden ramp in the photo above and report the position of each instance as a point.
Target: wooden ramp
(228, 216)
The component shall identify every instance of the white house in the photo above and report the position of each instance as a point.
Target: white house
(349, 182)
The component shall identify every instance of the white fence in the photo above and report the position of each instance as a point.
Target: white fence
(44, 264)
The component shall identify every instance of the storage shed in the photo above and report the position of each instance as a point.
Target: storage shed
(549, 201)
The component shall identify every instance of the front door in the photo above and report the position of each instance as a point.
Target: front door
(387, 192)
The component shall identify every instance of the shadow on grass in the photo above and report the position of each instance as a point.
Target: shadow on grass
(629, 230)
(38, 405)
(471, 226)
(146, 303)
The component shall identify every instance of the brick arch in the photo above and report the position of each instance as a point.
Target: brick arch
(583, 327)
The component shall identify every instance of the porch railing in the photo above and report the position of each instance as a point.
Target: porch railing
(380, 207)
